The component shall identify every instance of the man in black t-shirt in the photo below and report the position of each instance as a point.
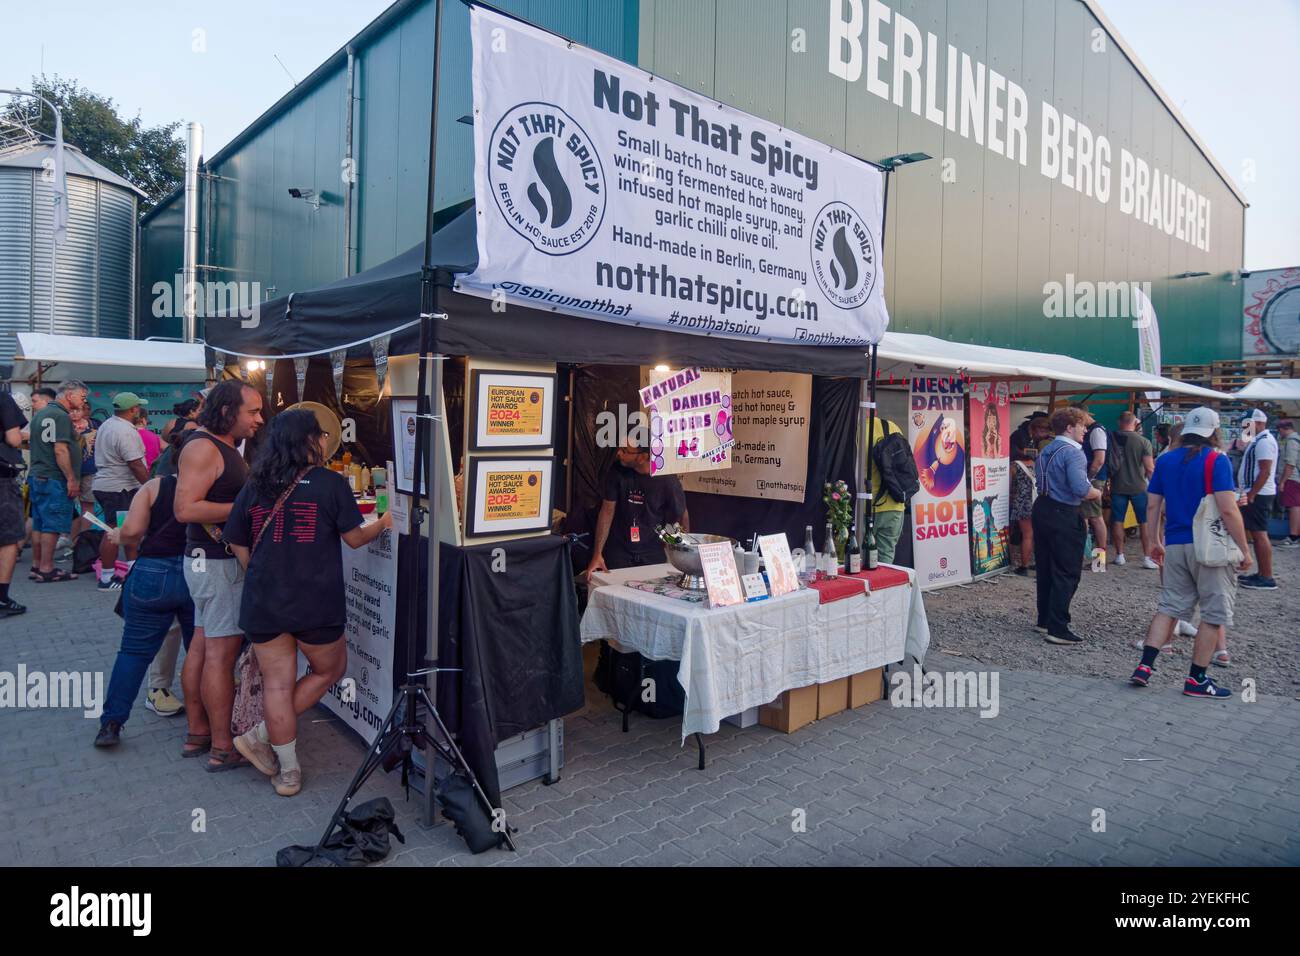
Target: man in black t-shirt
(634, 504)
(13, 526)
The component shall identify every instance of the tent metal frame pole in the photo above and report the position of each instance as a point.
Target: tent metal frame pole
(864, 509)
(428, 403)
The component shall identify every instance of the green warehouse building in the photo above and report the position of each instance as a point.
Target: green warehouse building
(1059, 171)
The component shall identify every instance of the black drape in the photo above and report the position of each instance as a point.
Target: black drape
(508, 617)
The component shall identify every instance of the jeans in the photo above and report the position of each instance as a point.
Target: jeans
(153, 596)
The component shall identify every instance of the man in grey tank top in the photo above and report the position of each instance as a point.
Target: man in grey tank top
(210, 474)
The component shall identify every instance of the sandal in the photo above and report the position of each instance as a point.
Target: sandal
(201, 742)
(53, 577)
(226, 760)
(1221, 659)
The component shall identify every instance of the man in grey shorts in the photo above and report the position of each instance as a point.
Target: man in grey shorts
(1183, 477)
(210, 474)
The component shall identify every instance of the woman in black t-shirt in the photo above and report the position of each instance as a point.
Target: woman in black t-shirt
(285, 528)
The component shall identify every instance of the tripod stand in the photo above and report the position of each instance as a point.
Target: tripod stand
(403, 731)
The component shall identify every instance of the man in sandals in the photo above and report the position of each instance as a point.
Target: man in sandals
(55, 478)
(210, 474)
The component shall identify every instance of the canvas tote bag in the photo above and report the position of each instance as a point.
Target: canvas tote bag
(1211, 543)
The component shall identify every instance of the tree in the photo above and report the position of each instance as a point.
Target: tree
(150, 158)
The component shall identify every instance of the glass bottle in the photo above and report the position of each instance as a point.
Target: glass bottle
(852, 553)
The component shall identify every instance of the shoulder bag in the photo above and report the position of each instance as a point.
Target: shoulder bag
(1211, 543)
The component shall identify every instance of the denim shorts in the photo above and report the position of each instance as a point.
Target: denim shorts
(52, 509)
(1119, 507)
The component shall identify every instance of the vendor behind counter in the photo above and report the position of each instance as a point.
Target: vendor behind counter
(633, 504)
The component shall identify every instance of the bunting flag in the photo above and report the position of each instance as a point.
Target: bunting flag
(338, 359)
(379, 348)
(300, 373)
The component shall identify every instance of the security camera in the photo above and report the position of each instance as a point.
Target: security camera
(307, 195)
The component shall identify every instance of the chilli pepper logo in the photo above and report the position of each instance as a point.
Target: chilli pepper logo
(547, 178)
(843, 253)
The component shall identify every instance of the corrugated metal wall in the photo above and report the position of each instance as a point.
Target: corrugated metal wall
(967, 259)
(260, 234)
(94, 293)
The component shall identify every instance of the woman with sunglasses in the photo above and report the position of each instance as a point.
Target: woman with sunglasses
(285, 528)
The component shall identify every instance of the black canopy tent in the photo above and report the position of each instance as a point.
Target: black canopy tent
(604, 357)
(386, 298)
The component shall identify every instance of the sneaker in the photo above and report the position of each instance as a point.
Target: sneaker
(1022, 571)
(1141, 676)
(1185, 629)
(163, 703)
(1040, 628)
(1069, 639)
(112, 584)
(1288, 543)
(1149, 564)
(1120, 559)
(287, 782)
(110, 735)
(1258, 582)
(1205, 688)
(10, 608)
(261, 756)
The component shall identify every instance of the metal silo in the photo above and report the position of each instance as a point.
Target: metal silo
(94, 287)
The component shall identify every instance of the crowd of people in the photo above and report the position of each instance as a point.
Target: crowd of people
(218, 557)
(1058, 487)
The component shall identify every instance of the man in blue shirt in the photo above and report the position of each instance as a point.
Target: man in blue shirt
(1183, 477)
(1059, 534)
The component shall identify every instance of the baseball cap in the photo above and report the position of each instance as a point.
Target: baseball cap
(1201, 421)
(125, 400)
(1257, 415)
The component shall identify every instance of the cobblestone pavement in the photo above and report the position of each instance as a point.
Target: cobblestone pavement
(1219, 783)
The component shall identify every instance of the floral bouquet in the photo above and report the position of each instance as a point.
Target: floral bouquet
(839, 512)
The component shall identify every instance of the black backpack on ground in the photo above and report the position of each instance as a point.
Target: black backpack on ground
(622, 677)
(893, 459)
(85, 550)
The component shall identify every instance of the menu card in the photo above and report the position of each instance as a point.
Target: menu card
(721, 576)
(781, 575)
(755, 589)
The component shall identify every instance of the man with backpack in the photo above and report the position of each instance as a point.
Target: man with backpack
(1131, 464)
(893, 480)
(1183, 478)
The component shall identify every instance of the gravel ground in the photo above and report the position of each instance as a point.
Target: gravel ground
(992, 622)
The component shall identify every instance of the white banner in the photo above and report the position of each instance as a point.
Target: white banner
(607, 193)
(365, 695)
(1148, 327)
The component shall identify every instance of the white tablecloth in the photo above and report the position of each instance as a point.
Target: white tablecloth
(739, 657)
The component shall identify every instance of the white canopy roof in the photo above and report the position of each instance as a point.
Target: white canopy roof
(901, 352)
(64, 357)
(1270, 390)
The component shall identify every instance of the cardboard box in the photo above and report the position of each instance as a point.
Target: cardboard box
(866, 688)
(832, 697)
(792, 710)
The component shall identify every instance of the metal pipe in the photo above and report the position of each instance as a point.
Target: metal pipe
(349, 170)
(189, 270)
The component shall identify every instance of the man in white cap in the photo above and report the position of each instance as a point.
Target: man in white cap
(120, 471)
(1256, 488)
(1182, 478)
